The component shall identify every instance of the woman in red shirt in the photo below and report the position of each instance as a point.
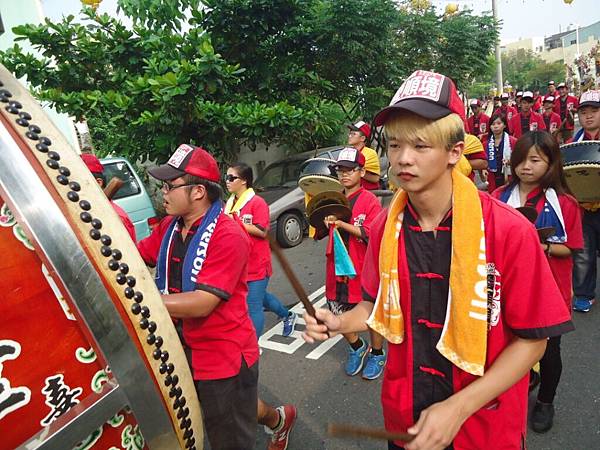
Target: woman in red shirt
(498, 145)
(538, 182)
(253, 212)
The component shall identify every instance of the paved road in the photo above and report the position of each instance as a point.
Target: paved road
(323, 393)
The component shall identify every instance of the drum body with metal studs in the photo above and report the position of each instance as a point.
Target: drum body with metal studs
(581, 165)
(89, 357)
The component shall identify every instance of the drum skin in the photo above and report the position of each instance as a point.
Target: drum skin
(317, 175)
(46, 361)
(51, 361)
(581, 164)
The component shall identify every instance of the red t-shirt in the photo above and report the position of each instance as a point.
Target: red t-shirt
(536, 122)
(256, 212)
(561, 107)
(220, 340)
(478, 125)
(562, 268)
(125, 219)
(529, 305)
(365, 207)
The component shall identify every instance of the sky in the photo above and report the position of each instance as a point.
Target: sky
(521, 18)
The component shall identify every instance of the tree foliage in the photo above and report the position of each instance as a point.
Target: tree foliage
(222, 73)
(525, 70)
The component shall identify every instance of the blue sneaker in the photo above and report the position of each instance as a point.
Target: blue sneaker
(356, 358)
(374, 366)
(288, 324)
(582, 304)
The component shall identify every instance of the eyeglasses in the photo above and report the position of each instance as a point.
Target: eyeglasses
(343, 169)
(167, 187)
(231, 178)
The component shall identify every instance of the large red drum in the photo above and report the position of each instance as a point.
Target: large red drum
(89, 358)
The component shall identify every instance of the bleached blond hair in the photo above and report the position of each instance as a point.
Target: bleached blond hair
(409, 127)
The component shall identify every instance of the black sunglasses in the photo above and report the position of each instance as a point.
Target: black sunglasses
(231, 178)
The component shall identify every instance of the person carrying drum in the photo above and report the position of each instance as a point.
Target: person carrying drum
(343, 293)
(358, 137)
(584, 274)
(452, 279)
(538, 182)
(201, 258)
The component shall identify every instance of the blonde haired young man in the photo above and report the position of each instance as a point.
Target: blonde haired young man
(456, 282)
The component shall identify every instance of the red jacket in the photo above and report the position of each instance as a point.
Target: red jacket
(521, 276)
(478, 125)
(536, 122)
(570, 104)
(552, 121)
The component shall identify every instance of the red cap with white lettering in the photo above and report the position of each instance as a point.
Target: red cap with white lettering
(427, 94)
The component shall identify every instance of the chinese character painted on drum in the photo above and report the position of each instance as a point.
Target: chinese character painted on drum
(59, 397)
(11, 398)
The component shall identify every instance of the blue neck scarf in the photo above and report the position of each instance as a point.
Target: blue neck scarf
(550, 216)
(195, 255)
(579, 135)
(497, 158)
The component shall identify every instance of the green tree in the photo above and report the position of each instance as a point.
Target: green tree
(525, 70)
(146, 89)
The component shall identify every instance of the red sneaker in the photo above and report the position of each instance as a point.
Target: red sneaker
(280, 438)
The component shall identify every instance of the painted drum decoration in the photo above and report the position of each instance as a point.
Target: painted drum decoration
(89, 357)
(317, 175)
(581, 162)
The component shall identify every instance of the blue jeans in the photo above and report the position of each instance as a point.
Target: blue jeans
(585, 261)
(259, 299)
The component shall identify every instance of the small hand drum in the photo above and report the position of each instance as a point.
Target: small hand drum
(317, 175)
(581, 162)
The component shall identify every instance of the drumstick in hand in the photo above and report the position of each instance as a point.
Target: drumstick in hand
(112, 187)
(347, 431)
(291, 276)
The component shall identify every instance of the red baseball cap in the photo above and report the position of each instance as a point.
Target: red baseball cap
(191, 160)
(475, 102)
(361, 126)
(427, 94)
(92, 162)
(350, 157)
(549, 99)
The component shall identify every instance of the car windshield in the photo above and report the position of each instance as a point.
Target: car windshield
(283, 173)
(121, 170)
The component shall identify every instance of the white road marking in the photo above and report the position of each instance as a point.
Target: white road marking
(317, 298)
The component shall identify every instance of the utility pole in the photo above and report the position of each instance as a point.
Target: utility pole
(499, 81)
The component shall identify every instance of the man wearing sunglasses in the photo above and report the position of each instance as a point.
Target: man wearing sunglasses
(201, 257)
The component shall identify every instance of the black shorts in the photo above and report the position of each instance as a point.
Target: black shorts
(229, 408)
(339, 308)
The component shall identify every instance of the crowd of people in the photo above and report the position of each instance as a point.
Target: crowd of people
(466, 312)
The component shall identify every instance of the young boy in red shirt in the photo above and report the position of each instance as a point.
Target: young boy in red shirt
(344, 293)
(478, 123)
(201, 258)
(565, 106)
(453, 280)
(551, 119)
(527, 119)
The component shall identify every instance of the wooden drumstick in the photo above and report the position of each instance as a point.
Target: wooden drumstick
(291, 276)
(347, 431)
(113, 187)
